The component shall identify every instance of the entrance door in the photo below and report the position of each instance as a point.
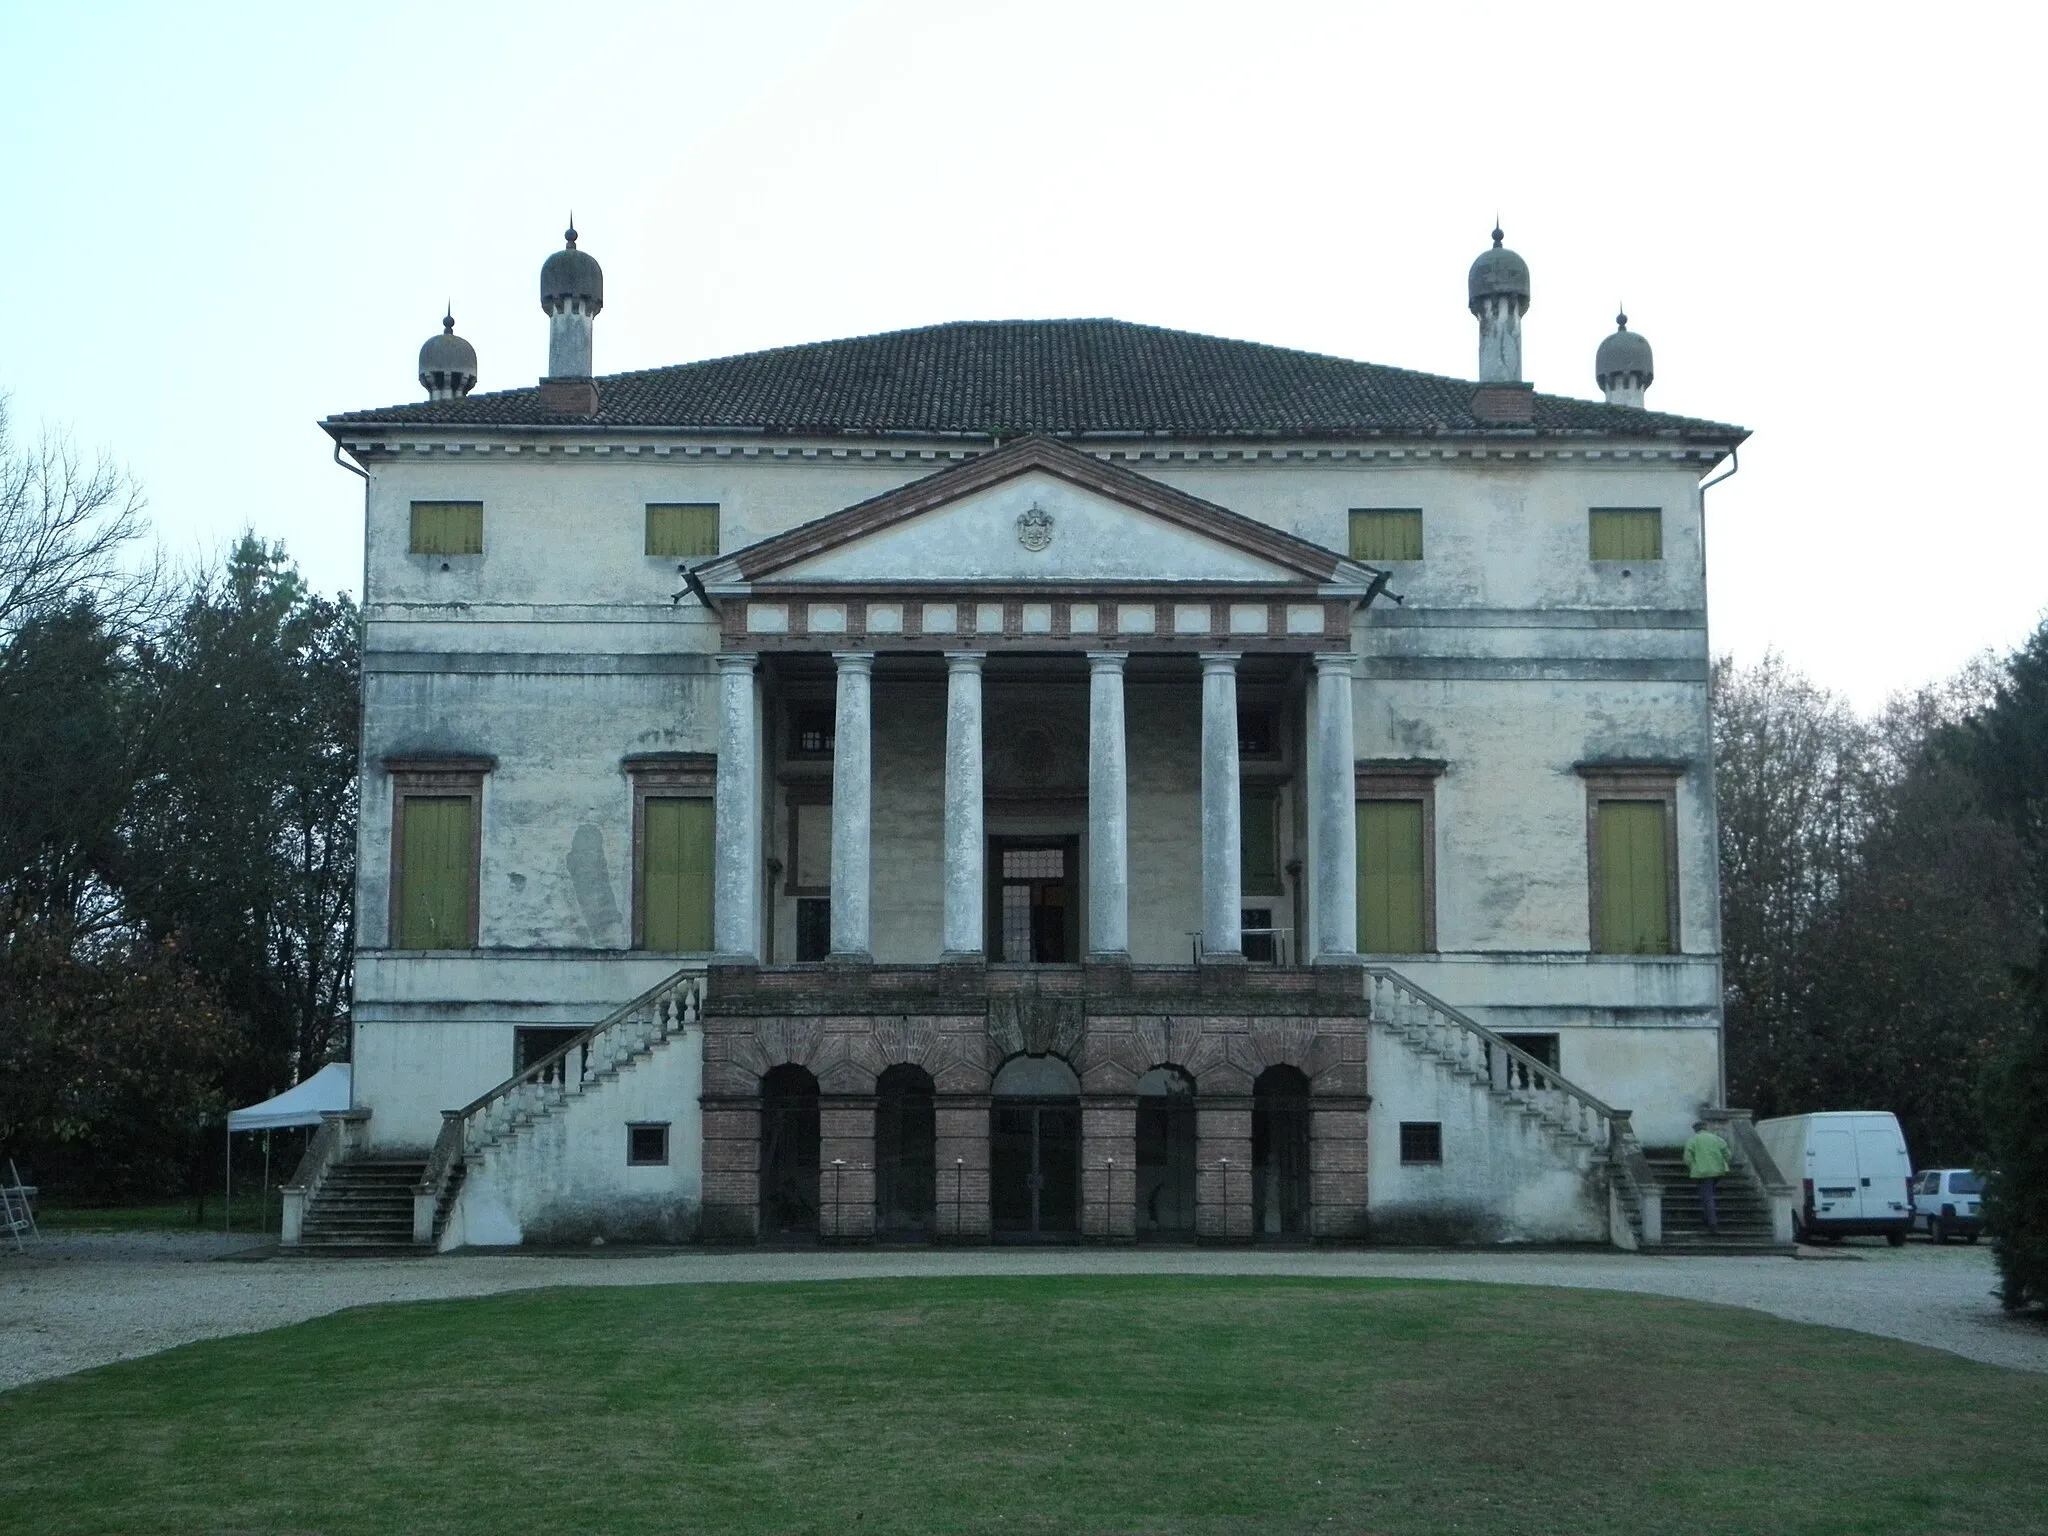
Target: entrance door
(1280, 1154)
(1166, 1154)
(1034, 900)
(906, 1199)
(1034, 1147)
(789, 1153)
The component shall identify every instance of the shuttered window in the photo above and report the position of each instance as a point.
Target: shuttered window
(1635, 886)
(447, 527)
(675, 873)
(1259, 840)
(1391, 888)
(438, 872)
(1386, 534)
(1627, 533)
(686, 530)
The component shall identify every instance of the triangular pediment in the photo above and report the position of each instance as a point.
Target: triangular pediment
(1036, 511)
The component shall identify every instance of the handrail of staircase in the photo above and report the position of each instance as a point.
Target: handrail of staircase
(1605, 1126)
(683, 992)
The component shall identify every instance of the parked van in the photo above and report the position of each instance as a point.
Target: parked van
(1853, 1170)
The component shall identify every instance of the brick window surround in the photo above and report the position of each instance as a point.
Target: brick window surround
(435, 778)
(1630, 782)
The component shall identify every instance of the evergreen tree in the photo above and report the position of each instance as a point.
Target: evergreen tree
(2016, 1193)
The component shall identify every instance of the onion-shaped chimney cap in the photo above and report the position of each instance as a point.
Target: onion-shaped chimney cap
(1623, 352)
(1498, 271)
(571, 274)
(447, 356)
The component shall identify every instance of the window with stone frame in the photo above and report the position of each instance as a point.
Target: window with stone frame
(647, 1144)
(1397, 857)
(1632, 857)
(1259, 839)
(436, 846)
(1422, 1141)
(674, 836)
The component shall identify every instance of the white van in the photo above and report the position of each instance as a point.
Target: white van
(1853, 1171)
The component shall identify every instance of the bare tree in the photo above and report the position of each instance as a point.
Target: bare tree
(65, 525)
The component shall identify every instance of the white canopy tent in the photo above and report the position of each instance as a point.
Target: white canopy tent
(304, 1103)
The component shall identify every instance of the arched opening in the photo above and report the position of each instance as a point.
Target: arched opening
(1166, 1153)
(1034, 1151)
(1280, 1182)
(906, 1138)
(789, 1153)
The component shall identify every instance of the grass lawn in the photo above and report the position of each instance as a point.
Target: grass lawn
(161, 1216)
(1162, 1404)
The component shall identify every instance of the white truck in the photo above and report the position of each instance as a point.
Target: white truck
(1853, 1169)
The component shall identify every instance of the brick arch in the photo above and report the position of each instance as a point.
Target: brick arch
(906, 1040)
(782, 1042)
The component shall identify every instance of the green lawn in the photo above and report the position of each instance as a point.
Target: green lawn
(1074, 1404)
(160, 1216)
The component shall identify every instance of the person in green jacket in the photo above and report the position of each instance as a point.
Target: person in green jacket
(1706, 1159)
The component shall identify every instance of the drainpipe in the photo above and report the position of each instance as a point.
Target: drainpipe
(1713, 789)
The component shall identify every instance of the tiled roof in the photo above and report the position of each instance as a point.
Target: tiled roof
(1062, 378)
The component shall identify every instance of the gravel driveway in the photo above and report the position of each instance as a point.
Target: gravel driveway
(81, 1300)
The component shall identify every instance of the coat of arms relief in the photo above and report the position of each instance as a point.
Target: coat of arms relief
(1034, 528)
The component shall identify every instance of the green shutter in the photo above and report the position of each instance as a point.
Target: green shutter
(675, 873)
(682, 529)
(1627, 533)
(1390, 884)
(1635, 890)
(447, 527)
(1259, 841)
(439, 855)
(1386, 534)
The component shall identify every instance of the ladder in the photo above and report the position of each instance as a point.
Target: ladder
(16, 1213)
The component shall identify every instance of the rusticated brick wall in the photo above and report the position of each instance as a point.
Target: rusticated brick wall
(1112, 1024)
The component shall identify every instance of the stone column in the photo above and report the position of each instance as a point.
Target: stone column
(852, 806)
(1222, 848)
(736, 885)
(1334, 822)
(966, 876)
(1109, 821)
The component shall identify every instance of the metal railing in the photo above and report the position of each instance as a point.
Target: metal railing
(1462, 1043)
(552, 1080)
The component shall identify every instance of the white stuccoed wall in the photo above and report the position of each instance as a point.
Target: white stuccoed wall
(559, 652)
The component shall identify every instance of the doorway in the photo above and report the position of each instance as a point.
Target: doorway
(1034, 900)
(1280, 1154)
(789, 1153)
(1166, 1154)
(906, 1193)
(1034, 1151)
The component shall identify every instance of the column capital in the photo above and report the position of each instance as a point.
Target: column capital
(1219, 661)
(964, 661)
(738, 661)
(854, 661)
(1107, 661)
(1334, 661)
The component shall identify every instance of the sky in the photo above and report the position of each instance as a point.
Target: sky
(224, 222)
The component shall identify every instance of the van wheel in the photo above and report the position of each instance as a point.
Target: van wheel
(1936, 1230)
(1895, 1239)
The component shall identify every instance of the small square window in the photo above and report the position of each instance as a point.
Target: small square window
(447, 528)
(1386, 533)
(1422, 1141)
(813, 731)
(682, 529)
(647, 1145)
(1626, 533)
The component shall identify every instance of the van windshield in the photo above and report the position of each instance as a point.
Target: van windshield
(1965, 1184)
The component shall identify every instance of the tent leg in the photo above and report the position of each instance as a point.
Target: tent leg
(227, 1204)
(263, 1207)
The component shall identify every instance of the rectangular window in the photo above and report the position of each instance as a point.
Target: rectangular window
(813, 927)
(436, 807)
(674, 820)
(1392, 890)
(1627, 533)
(675, 873)
(447, 528)
(1543, 1047)
(1635, 883)
(813, 730)
(647, 1145)
(1259, 841)
(1422, 1141)
(1386, 533)
(1258, 733)
(685, 530)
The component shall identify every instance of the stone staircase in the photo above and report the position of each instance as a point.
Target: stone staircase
(1577, 1126)
(1742, 1204)
(363, 1207)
